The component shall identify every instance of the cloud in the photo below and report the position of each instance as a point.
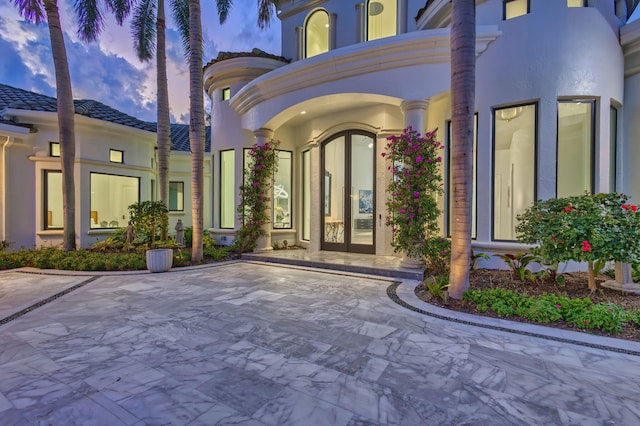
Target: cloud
(109, 71)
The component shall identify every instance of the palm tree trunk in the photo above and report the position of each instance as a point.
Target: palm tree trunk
(164, 125)
(66, 124)
(196, 127)
(463, 62)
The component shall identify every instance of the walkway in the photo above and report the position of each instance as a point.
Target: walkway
(260, 344)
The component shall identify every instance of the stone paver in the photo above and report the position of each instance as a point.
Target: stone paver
(254, 344)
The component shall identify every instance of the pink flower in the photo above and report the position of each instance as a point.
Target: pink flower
(586, 246)
(558, 306)
(416, 194)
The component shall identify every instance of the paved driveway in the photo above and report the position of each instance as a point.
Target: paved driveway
(254, 344)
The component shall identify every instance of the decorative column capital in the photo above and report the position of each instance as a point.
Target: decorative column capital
(263, 134)
(415, 104)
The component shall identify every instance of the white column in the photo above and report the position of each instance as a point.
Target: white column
(360, 25)
(414, 114)
(401, 20)
(264, 243)
(300, 46)
(333, 19)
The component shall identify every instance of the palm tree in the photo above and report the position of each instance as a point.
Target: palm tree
(463, 68)
(148, 24)
(35, 11)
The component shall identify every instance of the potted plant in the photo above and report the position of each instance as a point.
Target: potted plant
(412, 205)
(150, 219)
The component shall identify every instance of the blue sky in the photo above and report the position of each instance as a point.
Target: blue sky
(108, 70)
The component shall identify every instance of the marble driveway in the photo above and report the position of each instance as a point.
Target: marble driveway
(246, 343)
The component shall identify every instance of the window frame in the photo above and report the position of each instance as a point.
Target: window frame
(584, 4)
(220, 187)
(139, 180)
(536, 135)
(45, 200)
(504, 9)
(53, 147)
(291, 183)
(305, 32)
(614, 122)
(225, 93)
(176, 182)
(113, 152)
(592, 153)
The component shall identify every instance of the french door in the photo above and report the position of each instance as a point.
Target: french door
(348, 192)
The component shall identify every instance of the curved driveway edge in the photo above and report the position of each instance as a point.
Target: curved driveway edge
(404, 294)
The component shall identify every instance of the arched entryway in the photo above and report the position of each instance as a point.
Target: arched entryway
(348, 192)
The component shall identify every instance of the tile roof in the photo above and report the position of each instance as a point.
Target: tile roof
(257, 53)
(12, 97)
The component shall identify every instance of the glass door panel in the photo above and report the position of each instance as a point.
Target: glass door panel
(333, 192)
(362, 190)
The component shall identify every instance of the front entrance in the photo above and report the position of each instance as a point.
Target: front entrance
(348, 192)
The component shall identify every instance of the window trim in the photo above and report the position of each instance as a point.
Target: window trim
(536, 132)
(52, 147)
(305, 32)
(116, 151)
(291, 180)
(304, 211)
(225, 93)
(614, 135)
(594, 105)
(177, 209)
(504, 9)
(45, 201)
(138, 178)
(220, 186)
(584, 4)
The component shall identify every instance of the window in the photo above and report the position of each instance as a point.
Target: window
(282, 190)
(176, 196)
(53, 199)
(306, 195)
(575, 148)
(116, 156)
(514, 166)
(613, 146)
(54, 149)
(576, 3)
(225, 94)
(515, 8)
(449, 182)
(227, 189)
(111, 196)
(381, 18)
(317, 33)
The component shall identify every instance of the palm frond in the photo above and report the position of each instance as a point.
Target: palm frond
(223, 7)
(266, 9)
(90, 19)
(143, 29)
(31, 10)
(180, 13)
(120, 8)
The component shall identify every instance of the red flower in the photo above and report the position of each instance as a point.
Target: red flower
(567, 209)
(586, 246)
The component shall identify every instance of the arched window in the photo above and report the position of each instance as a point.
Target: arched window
(381, 18)
(316, 33)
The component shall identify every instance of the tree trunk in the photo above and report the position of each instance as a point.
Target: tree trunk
(164, 124)
(463, 62)
(66, 124)
(196, 127)
(591, 276)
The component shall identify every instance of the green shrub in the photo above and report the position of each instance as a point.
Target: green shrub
(437, 285)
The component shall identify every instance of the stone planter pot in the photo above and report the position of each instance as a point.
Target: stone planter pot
(159, 260)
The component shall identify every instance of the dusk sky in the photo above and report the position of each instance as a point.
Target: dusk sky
(108, 70)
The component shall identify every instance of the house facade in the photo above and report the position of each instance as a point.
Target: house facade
(557, 96)
(115, 167)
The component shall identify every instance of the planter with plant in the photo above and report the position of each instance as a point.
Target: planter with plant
(412, 205)
(150, 220)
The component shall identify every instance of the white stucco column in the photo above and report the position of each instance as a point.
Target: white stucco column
(264, 243)
(360, 17)
(414, 114)
(333, 28)
(299, 47)
(401, 21)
